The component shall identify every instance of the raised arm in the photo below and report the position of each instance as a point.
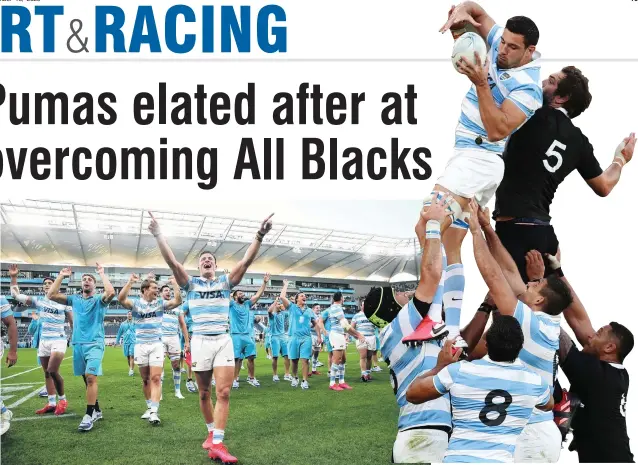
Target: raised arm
(109, 290)
(238, 272)
(604, 183)
(176, 267)
(428, 230)
(282, 295)
(576, 315)
(501, 292)
(176, 301)
(422, 389)
(54, 290)
(500, 253)
(472, 13)
(273, 306)
(122, 298)
(15, 289)
(260, 292)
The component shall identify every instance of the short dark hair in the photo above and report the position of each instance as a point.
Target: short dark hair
(524, 26)
(209, 252)
(625, 340)
(337, 297)
(235, 293)
(48, 278)
(575, 86)
(557, 294)
(146, 284)
(90, 276)
(504, 339)
(165, 285)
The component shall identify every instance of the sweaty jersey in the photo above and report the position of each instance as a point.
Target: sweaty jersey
(126, 333)
(406, 363)
(170, 322)
(491, 404)
(148, 320)
(335, 315)
(300, 321)
(52, 318)
(521, 85)
(538, 157)
(240, 321)
(208, 303)
(539, 353)
(88, 318)
(363, 325)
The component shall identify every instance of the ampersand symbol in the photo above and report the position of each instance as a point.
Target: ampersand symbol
(76, 27)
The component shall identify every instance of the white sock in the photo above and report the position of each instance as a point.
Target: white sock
(436, 309)
(210, 427)
(453, 298)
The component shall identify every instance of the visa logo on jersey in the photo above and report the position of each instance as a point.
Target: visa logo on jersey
(207, 29)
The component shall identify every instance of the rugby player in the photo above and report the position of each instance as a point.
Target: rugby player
(540, 156)
(503, 96)
(148, 313)
(492, 398)
(316, 345)
(361, 323)
(126, 334)
(537, 307)
(338, 327)
(208, 300)
(172, 321)
(6, 314)
(300, 343)
(89, 310)
(242, 324)
(422, 429)
(52, 340)
(277, 319)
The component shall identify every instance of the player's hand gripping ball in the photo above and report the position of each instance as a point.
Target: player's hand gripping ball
(465, 47)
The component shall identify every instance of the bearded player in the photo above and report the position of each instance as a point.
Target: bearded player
(503, 96)
(208, 299)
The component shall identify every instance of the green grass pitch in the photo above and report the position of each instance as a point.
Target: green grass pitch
(271, 424)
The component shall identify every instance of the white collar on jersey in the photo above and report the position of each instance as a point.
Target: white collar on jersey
(515, 363)
(617, 365)
(562, 110)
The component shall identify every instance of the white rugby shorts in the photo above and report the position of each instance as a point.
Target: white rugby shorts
(539, 443)
(420, 446)
(370, 343)
(473, 174)
(172, 346)
(149, 354)
(208, 352)
(46, 348)
(337, 341)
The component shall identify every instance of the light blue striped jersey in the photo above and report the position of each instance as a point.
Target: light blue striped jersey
(540, 348)
(170, 322)
(335, 315)
(491, 404)
(52, 317)
(300, 321)
(240, 322)
(276, 322)
(148, 320)
(126, 333)
(5, 307)
(187, 317)
(521, 85)
(88, 318)
(208, 304)
(363, 325)
(406, 363)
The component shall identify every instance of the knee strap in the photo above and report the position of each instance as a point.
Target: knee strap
(453, 207)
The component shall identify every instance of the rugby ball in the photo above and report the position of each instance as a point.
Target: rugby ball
(466, 45)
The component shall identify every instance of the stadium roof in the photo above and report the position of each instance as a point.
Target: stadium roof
(74, 234)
